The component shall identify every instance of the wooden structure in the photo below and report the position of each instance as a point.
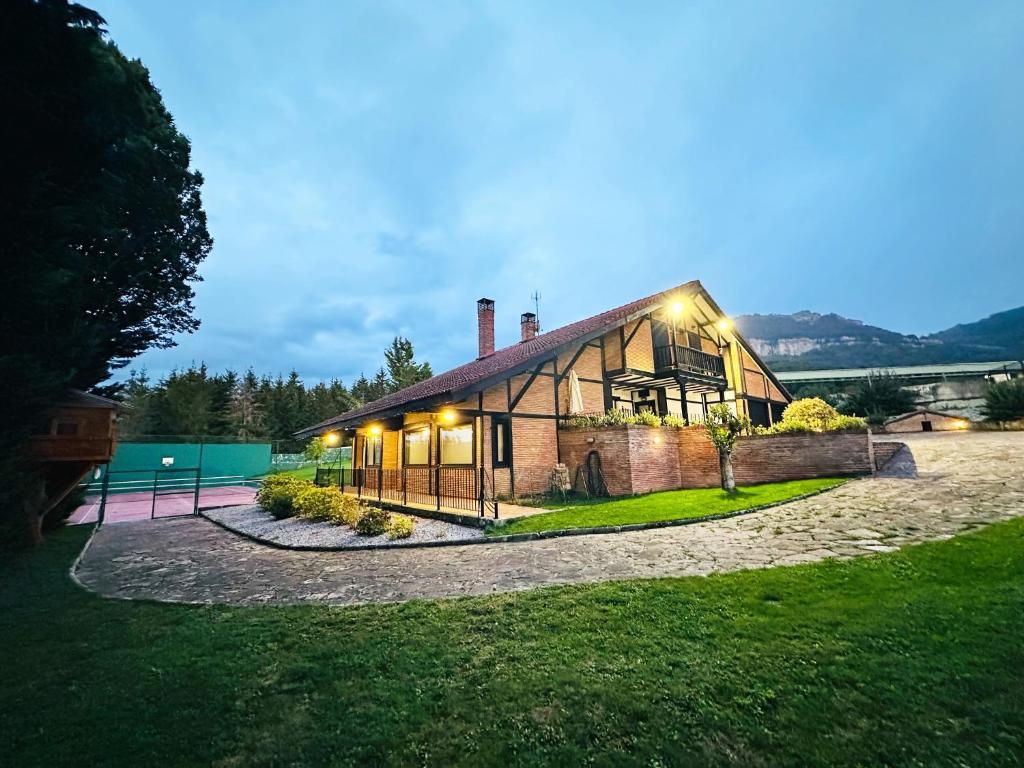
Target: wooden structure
(74, 437)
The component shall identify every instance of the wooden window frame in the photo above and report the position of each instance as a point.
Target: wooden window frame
(380, 451)
(430, 444)
(503, 423)
(471, 423)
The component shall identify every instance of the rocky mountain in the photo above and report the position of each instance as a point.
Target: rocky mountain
(809, 340)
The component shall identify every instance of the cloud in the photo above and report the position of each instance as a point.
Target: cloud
(374, 168)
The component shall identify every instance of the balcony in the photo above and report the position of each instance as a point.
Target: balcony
(686, 360)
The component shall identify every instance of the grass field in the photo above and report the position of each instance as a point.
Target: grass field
(307, 473)
(667, 505)
(910, 658)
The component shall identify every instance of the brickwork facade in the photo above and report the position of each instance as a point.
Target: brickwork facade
(639, 459)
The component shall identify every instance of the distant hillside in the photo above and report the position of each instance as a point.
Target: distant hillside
(809, 340)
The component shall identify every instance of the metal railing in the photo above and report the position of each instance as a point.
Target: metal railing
(689, 360)
(460, 488)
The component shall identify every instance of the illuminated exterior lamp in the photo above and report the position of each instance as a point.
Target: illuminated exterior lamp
(375, 429)
(331, 439)
(448, 416)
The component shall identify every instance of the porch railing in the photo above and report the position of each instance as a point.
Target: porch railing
(689, 360)
(467, 489)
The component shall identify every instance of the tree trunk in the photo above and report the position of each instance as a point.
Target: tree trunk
(725, 468)
(31, 534)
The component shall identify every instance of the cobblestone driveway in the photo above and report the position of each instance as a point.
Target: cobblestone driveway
(965, 481)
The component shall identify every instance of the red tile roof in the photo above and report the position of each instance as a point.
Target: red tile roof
(466, 379)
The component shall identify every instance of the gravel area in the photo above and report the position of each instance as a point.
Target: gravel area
(296, 532)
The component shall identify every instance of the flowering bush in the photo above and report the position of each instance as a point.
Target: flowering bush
(671, 420)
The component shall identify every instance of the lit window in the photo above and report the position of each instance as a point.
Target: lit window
(456, 444)
(372, 451)
(417, 447)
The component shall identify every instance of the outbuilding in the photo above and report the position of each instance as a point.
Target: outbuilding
(924, 420)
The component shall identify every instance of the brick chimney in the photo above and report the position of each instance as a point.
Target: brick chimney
(485, 326)
(527, 326)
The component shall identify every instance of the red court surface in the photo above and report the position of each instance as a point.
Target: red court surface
(127, 507)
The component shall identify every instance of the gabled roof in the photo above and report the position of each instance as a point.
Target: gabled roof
(921, 411)
(478, 375)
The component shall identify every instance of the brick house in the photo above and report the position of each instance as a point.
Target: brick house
(674, 352)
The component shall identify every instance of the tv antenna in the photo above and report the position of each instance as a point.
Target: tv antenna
(536, 308)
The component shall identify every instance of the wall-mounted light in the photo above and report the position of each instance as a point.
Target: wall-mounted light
(448, 416)
(331, 438)
(375, 429)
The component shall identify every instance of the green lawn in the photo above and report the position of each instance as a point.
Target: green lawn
(667, 505)
(306, 473)
(910, 658)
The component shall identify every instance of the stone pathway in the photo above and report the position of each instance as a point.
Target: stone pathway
(964, 481)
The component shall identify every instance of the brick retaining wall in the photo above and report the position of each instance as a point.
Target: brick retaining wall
(640, 459)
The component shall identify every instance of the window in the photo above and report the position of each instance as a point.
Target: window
(501, 436)
(456, 444)
(417, 447)
(371, 451)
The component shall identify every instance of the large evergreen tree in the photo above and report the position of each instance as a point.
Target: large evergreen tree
(403, 370)
(101, 226)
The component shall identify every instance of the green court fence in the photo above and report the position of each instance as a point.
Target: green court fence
(211, 459)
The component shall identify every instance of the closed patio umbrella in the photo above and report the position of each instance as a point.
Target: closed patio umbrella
(575, 396)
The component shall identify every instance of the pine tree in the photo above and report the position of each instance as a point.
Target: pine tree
(140, 417)
(403, 370)
(245, 411)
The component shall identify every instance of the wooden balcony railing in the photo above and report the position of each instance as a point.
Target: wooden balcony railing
(688, 360)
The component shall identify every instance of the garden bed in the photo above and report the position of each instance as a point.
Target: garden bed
(296, 532)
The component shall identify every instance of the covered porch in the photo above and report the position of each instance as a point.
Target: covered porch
(462, 495)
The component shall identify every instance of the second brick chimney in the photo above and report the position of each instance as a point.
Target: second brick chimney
(485, 326)
(528, 326)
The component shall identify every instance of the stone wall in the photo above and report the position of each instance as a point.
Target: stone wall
(638, 459)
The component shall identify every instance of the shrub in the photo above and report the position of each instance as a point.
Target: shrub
(281, 503)
(1004, 401)
(647, 419)
(277, 493)
(351, 511)
(400, 526)
(320, 504)
(812, 414)
(671, 420)
(373, 522)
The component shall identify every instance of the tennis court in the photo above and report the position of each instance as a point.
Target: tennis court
(162, 494)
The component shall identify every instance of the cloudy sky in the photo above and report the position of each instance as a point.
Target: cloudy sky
(373, 168)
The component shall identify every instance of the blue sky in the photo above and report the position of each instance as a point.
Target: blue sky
(373, 168)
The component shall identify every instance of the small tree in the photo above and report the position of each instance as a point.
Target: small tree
(1004, 401)
(314, 449)
(723, 428)
(879, 396)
